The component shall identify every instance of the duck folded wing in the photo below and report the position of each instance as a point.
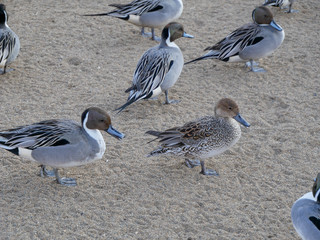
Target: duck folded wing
(189, 134)
(150, 73)
(137, 7)
(42, 134)
(236, 41)
(273, 2)
(7, 42)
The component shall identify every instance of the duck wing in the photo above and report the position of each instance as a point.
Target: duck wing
(43, 134)
(137, 7)
(7, 43)
(189, 134)
(149, 75)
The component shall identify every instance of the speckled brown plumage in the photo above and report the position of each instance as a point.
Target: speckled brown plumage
(205, 137)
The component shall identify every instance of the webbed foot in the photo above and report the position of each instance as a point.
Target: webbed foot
(64, 181)
(46, 173)
(192, 163)
(206, 171)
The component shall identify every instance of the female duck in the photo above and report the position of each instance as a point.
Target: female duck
(203, 138)
(251, 41)
(305, 213)
(9, 41)
(61, 143)
(147, 13)
(159, 68)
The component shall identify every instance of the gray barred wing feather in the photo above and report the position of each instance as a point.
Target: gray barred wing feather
(43, 134)
(137, 7)
(7, 43)
(275, 3)
(236, 41)
(150, 73)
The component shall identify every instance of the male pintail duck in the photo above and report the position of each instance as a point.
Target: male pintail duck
(9, 41)
(159, 68)
(147, 13)
(251, 41)
(305, 213)
(203, 138)
(61, 143)
(281, 4)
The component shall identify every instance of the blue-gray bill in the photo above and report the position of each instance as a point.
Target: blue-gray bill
(275, 25)
(115, 133)
(242, 120)
(186, 35)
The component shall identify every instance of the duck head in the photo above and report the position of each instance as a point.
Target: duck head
(263, 16)
(226, 108)
(173, 31)
(96, 118)
(3, 14)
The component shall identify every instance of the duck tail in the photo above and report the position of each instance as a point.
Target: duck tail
(96, 14)
(4, 145)
(112, 14)
(131, 99)
(129, 102)
(157, 152)
(195, 60)
(154, 133)
(210, 54)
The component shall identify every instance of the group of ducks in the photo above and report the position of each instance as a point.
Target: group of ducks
(66, 143)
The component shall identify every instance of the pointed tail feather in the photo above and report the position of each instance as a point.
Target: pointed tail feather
(96, 14)
(210, 54)
(132, 88)
(133, 97)
(195, 60)
(156, 152)
(3, 145)
(112, 14)
(7, 147)
(129, 102)
(154, 133)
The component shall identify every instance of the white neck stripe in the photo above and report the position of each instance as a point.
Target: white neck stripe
(169, 43)
(92, 132)
(317, 194)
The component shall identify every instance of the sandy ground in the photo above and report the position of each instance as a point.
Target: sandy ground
(68, 62)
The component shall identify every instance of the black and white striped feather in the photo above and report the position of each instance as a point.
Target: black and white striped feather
(137, 7)
(7, 43)
(43, 134)
(234, 43)
(149, 75)
(276, 3)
